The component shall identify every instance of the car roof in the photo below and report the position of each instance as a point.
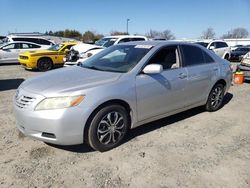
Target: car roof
(158, 43)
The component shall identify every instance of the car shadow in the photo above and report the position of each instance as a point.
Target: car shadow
(152, 126)
(144, 129)
(9, 84)
(10, 64)
(247, 81)
(80, 148)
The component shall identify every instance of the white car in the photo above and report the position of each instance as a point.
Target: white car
(33, 39)
(9, 51)
(219, 47)
(81, 52)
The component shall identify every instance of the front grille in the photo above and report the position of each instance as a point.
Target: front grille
(23, 57)
(24, 101)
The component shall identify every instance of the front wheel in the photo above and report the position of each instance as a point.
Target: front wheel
(108, 127)
(226, 57)
(215, 98)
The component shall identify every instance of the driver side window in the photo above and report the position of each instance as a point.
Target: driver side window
(167, 57)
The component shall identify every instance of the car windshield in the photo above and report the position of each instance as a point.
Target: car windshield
(202, 43)
(118, 58)
(242, 49)
(56, 47)
(106, 42)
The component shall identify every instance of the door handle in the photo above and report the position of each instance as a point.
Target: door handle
(215, 68)
(182, 76)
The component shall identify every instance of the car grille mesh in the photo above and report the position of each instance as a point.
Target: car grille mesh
(24, 101)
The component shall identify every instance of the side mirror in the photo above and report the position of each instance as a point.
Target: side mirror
(153, 69)
(211, 48)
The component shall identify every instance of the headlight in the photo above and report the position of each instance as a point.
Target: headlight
(59, 102)
(85, 55)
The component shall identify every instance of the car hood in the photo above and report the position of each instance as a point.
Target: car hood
(68, 80)
(85, 47)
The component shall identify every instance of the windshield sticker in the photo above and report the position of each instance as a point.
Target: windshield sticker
(144, 46)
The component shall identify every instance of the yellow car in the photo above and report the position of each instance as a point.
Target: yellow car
(44, 60)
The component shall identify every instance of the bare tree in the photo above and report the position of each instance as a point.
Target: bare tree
(236, 33)
(91, 36)
(112, 33)
(208, 33)
(166, 34)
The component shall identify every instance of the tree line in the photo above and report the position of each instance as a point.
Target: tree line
(92, 36)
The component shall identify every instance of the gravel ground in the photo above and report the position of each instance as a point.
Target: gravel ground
(190, 149)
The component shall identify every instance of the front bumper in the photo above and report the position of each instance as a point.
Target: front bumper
(246, 70)
(61, 127)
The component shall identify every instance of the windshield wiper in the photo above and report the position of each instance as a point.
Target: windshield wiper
(92, 67)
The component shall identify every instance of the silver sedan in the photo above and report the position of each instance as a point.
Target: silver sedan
(118, 89)
(9, 51)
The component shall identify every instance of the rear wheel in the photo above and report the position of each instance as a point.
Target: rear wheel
(44, 64)
(215, 98)
(108, 127)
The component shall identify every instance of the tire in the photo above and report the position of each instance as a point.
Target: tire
(226, 57)
(44, 64)
(108, 127)
(215, 98)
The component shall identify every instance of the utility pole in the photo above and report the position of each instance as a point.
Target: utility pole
(127, 24)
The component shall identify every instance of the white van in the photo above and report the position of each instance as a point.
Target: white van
(37, 40)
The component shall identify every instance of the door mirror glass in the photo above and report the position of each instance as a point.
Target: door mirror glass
(153, 69)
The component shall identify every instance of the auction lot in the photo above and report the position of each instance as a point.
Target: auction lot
(191, 149)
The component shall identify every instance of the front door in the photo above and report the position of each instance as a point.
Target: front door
(158, 94)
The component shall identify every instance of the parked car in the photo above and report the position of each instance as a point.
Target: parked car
(83, 51)
(34, 39)
(118, 89)
(9, 51)
(219, 47)
(236, 46)
(238, 53)
(44, 60)
(245, 66)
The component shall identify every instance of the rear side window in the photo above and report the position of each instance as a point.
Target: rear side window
(124, 40)
(26, 45)
(207, 58)
(45, 42)
(221, 45)
(192, 55)
(131, 39)
(137, 39)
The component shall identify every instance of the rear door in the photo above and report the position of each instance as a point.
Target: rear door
(158, 94)
(27, 46)
(201, 69)
(10, 53)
